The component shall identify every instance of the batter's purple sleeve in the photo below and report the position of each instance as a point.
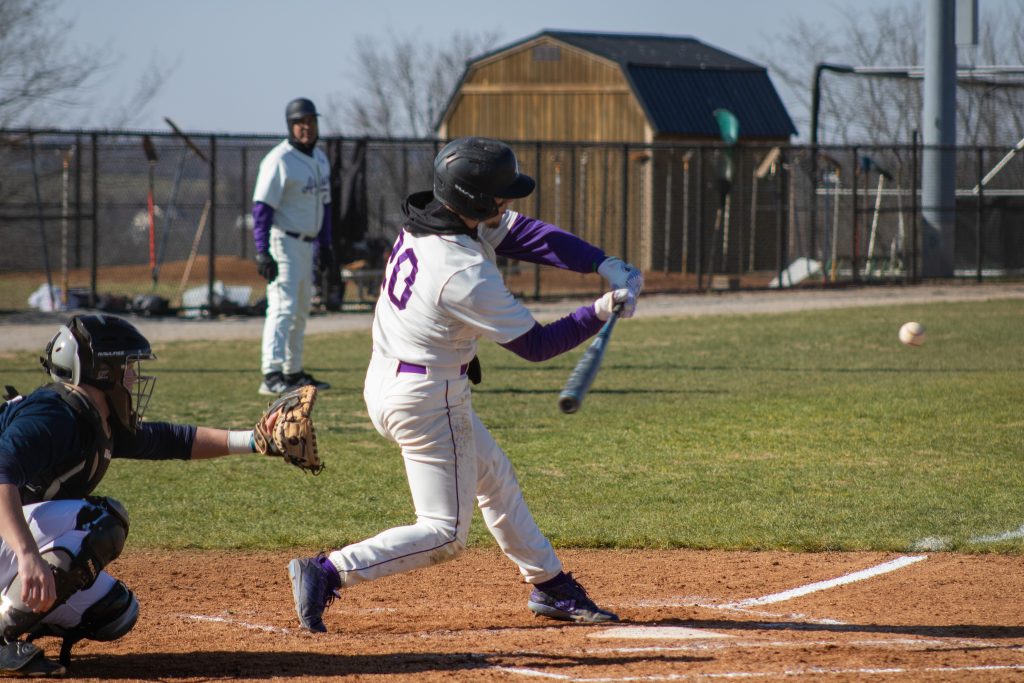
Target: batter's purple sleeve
(326, 230)
(262, 219)
(535, 241)
(547, 341)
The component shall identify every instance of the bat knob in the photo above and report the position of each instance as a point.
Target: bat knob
(568, 404)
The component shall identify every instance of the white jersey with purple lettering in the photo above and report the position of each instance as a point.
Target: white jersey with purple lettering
(297, 186)
(441, 293)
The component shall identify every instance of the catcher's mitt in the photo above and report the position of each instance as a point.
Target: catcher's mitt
(292, 435)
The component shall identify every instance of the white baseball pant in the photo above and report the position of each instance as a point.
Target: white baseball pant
(52, 523)
(288, 300)
(450, 459)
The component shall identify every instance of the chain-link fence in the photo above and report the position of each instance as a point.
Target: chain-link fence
(75, 216)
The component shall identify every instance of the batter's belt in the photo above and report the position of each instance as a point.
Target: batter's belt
(431, 372)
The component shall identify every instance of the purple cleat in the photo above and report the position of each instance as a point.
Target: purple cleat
(565, 599)
(312, 592)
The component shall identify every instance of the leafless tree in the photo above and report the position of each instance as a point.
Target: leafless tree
(879, 110)
(38, 73)
(43, 82)
(403, 85)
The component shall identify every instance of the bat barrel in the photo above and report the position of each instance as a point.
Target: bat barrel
(568, 403)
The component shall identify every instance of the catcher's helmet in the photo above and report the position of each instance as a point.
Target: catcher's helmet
(99, 350)
(470, 173)
(299, 108)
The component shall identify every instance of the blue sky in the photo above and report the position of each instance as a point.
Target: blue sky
(240, 61)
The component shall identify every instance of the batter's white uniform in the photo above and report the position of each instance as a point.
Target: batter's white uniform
(441, 293)
(297, 187)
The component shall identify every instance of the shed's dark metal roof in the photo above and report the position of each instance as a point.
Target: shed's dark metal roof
(679, 81)
(681, 101)
(652, 50)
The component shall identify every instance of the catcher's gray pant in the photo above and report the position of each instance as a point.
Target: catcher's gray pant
(288, 300)
(450, 460)
(53, 524)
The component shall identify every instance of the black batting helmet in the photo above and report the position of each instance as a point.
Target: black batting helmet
(97, 350)
(299, 108)
(471, 173)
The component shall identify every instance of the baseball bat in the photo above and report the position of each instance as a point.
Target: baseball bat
(582, 376)
(188, 141)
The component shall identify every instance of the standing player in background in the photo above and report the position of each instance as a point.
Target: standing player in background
(442, 292)
(55, 446)
(290, 219)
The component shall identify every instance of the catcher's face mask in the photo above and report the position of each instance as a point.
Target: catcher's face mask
(131, 404)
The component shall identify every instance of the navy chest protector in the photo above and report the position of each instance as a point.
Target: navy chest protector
(78, 478)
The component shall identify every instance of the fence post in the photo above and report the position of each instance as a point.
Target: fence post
(78, 201)
(980, 211)
(245, 202)
(780, 227)
(699, 233)
(625, 204)
(212, 219)
(915, 212)
(95, 219)
(537, 198)
(856, 215)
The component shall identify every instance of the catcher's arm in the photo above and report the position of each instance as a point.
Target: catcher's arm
(214, 443)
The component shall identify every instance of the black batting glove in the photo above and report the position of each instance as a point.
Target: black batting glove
(267, 266)
(327, 262)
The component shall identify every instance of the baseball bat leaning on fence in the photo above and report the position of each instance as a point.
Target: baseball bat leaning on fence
(192, 254)
(147, 146)
(582, 376)
(64, 276)
(42, 222)
(171, 204)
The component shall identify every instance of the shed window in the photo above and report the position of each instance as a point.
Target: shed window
(547, 53)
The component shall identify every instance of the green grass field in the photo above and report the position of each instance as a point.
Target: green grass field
(808, 431)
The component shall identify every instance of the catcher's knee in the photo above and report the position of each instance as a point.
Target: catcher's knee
(106, 525)
(106, 521)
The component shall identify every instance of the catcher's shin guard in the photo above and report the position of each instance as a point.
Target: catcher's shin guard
(109, 618)
(107, 525)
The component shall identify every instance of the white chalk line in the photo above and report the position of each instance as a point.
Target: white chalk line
(936, 543)
(809, 671)
(237, 622)
(852, 577)
(881, 643)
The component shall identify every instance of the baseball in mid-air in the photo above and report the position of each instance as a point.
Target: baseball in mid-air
(912, 334)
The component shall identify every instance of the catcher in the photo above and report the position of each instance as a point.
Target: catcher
(55, 446)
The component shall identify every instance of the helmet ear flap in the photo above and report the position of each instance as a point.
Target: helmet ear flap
(61, 359)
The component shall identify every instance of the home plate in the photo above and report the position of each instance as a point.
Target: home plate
(657, 633)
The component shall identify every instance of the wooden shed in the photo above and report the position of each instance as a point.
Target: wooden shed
(598, 111)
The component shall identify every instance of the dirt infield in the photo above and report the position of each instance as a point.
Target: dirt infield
(686, 615)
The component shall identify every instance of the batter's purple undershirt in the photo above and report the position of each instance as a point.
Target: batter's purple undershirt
(535, 241)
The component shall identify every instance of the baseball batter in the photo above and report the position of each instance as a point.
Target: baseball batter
(290, 220)
(442, 292)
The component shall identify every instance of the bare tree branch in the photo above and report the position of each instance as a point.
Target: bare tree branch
(39, 76)
(877, 110)
(402, 85)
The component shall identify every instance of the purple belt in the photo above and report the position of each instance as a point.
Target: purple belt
(422, 369)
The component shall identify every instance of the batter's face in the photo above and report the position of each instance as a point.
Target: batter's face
(494, 220)
(305, 130)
